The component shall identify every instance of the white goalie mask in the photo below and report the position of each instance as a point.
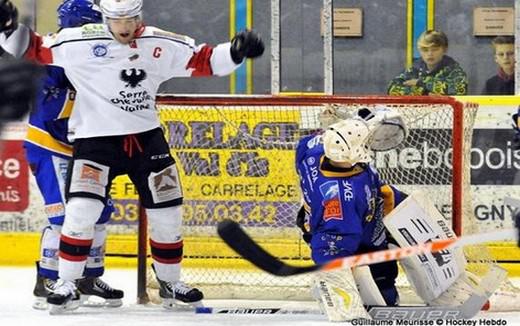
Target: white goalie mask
(121, 8)
(346, 142)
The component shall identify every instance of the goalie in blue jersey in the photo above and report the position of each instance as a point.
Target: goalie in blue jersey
(344, 198)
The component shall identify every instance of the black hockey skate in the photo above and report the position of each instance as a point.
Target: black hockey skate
(43, 287)
(94, 286)
(64, 298)
(178, 294)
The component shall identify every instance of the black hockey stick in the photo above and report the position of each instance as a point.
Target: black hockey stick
(236, 238)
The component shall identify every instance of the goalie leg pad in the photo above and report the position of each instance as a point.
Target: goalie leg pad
(416, 220)
(376, 284)
(367, 287)
(338, 296)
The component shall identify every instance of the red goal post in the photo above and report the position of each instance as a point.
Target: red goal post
(235, 157)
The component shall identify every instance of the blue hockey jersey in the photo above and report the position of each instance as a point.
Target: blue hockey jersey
(345, 207)
(48, 122)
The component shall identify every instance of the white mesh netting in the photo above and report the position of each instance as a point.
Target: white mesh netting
(236, 160)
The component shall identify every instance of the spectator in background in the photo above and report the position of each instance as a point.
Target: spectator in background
(503, 83)
(434, 73)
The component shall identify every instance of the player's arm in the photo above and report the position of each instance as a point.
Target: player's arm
(205, 60)
(457, 82)
(227, 57)
(19, 40)
(396, 85)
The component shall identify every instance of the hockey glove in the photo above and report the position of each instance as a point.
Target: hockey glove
(301, 222)
(8, 17)
(19, 82)
(516, 128)
(246, 44)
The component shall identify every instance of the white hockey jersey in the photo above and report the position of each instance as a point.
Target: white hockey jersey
(117, 84)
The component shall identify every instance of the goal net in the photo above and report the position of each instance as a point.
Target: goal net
(235, 156)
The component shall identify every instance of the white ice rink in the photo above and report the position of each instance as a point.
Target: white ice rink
(16, 286)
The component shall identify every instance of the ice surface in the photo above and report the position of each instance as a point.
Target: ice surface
(16, 298)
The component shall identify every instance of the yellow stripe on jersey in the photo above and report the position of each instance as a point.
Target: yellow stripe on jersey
(389, 199)
(43, 139)
(67, 106)
(330, 174)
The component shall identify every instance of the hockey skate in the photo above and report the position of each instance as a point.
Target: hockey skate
(64, 298)
(178, 295)
(94, 286)
(43, 287)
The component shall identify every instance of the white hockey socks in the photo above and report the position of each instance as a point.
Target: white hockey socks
(166, 241)
(77, 235)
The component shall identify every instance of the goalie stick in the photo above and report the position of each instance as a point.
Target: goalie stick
(256, 311)
(236, 238)
(466, 310)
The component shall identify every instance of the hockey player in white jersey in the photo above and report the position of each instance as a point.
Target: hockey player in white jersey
(116, 69)
(48, 153)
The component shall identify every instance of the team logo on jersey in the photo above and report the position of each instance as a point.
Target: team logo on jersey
(133, 77)
(100, 50)
(90, 172)
(165, 185)
(331, 201)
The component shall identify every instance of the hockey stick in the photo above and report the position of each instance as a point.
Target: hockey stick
(236, 238)
(256, 311)
(466, 310)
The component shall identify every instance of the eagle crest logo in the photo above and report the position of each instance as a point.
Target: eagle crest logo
(133, 77)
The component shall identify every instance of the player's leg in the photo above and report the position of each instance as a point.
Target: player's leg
(157, 181)
(88, 182)
(48, 170)
(92, 284)
(384, 275)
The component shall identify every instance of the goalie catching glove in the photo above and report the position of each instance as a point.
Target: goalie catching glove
(387, 128)
(246, 44)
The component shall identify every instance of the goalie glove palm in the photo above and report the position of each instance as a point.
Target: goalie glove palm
(246, 44)
(8, 16)
(19, 81)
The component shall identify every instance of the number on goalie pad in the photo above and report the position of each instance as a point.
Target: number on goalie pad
(414, 221)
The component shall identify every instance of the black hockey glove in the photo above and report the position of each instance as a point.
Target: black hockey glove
(246, 44)
(19, 82)
(300, 222)
(8, 17)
